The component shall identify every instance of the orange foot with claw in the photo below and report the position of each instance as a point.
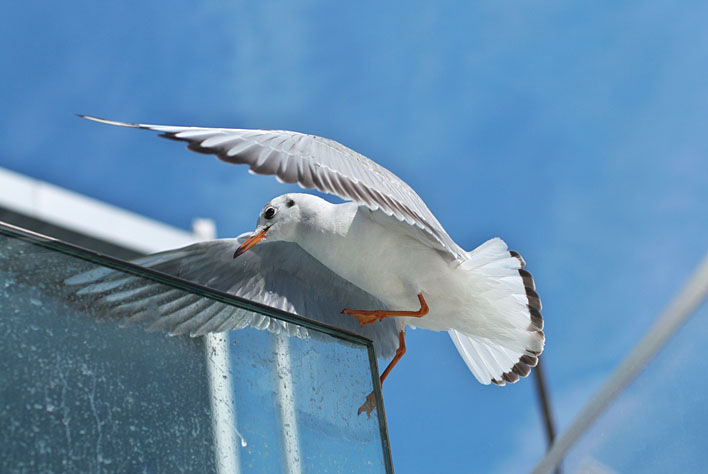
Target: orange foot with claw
(367, 317)
(368, 406)
(370, 403)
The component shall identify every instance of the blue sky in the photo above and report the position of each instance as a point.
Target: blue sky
(575, 131)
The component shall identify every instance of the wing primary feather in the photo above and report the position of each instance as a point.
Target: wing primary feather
(215, 321)
(265, 152)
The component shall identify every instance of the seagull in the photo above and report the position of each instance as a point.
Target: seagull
(382, 256)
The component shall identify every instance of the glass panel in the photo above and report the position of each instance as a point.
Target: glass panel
(81, 393)
(658, 423)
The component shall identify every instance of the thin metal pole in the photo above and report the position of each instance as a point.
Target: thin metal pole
(545, 403)
(544, 399)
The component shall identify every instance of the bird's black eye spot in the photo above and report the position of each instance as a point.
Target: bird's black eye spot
(290, 203)
(269, 213)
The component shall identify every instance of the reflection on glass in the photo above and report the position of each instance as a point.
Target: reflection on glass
(80, 393)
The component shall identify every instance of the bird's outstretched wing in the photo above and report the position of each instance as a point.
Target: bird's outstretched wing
(278, 274)
(313, 162)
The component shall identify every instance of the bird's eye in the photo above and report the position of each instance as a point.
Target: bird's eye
(269, 213)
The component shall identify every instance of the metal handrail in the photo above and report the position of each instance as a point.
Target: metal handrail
(694, 292)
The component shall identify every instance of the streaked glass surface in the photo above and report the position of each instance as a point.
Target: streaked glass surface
(80, 393)
(657, 424)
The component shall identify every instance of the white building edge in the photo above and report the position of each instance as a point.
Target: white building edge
(27, 200)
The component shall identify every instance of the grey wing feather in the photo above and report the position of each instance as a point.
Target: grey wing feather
(314, 162)
(278, 274)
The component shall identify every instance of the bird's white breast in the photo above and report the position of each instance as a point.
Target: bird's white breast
(379, 258)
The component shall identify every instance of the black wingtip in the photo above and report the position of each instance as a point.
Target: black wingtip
(93, 118)
(110, 122)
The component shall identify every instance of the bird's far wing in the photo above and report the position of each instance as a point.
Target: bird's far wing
(278, 274)
(312, 162)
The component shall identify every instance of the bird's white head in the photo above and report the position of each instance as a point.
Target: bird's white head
(280, 219)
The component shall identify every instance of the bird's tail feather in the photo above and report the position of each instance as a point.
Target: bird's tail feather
(509, 310)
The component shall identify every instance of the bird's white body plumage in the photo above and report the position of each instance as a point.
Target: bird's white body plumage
(482, 296)
(388, 244)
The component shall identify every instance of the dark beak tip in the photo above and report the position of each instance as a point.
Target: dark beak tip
(250, 242)
(240, 251)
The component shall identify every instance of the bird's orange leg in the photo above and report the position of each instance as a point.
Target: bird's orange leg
(370, 402)
(399, 353)
(367, 317)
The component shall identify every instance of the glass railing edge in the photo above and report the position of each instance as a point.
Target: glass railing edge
(381, 411)
(170, 280)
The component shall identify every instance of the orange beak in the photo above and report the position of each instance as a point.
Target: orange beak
(250, 242)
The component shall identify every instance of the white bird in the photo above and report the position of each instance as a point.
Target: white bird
(383, 256)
